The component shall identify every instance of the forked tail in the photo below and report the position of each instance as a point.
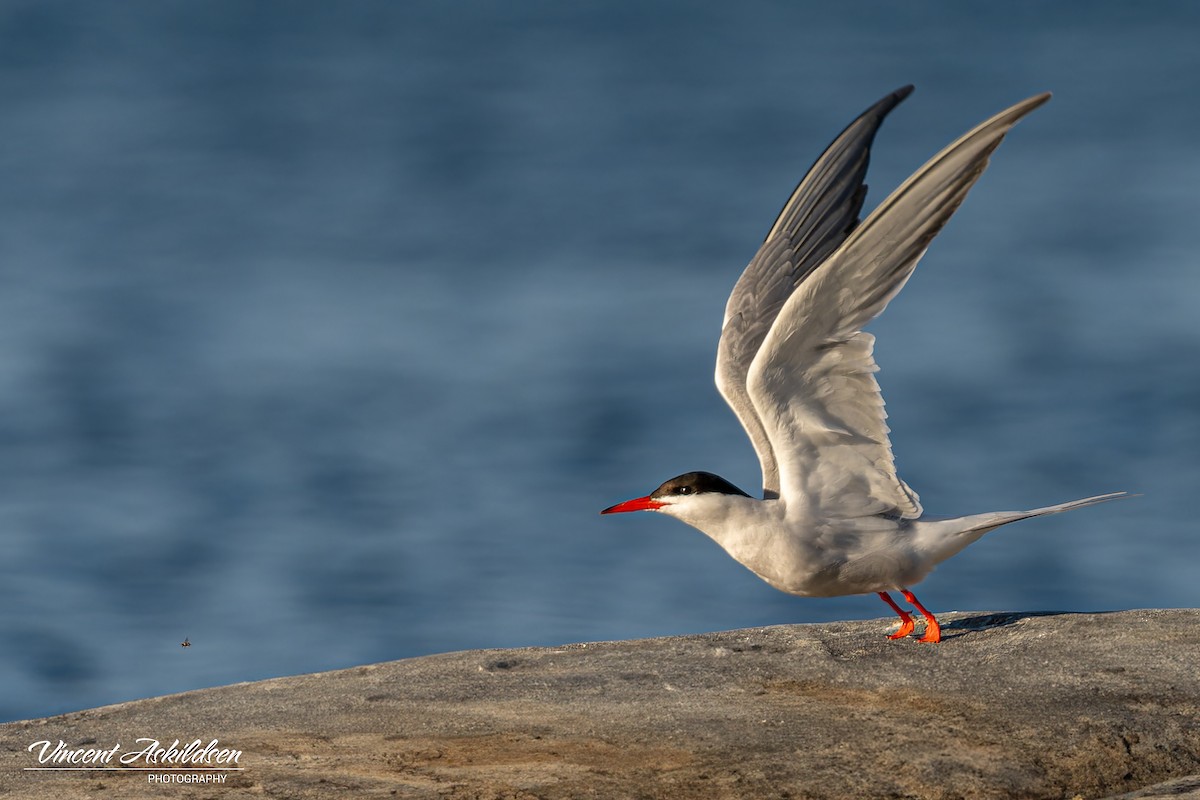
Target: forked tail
(1006, 517)
(943, 538)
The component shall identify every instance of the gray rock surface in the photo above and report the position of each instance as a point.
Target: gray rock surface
(1179, 789)
(1008, 705)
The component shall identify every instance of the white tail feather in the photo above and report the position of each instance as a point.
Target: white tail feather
(943, 538)
(1072, 505)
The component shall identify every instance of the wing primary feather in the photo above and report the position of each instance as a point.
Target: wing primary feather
(884, 249)
(814, 222)
(849, 145)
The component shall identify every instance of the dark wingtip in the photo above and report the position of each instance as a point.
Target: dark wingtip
(884, 106)
(894, 99)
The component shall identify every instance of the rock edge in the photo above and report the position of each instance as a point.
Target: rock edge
(1031, 705)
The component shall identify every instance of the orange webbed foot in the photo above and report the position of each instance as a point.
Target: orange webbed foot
(906, 622)
(933, 631)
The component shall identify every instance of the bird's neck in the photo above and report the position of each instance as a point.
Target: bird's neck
(735, 522)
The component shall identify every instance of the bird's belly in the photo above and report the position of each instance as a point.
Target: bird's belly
(806, 573)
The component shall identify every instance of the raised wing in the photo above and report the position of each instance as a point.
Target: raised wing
(814, 222)
(812, 382)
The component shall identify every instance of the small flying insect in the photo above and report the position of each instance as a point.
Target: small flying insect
(185, 642)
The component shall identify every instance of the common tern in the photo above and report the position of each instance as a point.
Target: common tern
(797, 369)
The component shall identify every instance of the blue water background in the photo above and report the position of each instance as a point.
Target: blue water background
(326, 329)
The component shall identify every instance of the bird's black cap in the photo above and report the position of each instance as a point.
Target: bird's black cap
(696, 483)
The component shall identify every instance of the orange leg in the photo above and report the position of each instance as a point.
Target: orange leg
(906, 622)
(933, 631)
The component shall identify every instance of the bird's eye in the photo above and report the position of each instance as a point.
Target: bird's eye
(683, 490)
